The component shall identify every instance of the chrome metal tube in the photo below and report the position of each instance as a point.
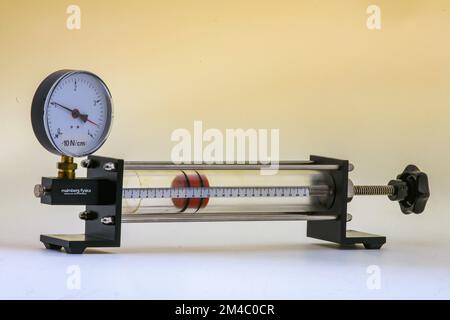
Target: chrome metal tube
(284, 165)
(224, 217)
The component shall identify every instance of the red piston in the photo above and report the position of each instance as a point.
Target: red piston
(195, 180)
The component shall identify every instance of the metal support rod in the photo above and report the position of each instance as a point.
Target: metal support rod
(225, 217)
(284, 165)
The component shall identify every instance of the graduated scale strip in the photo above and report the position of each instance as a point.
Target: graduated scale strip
(224, 192)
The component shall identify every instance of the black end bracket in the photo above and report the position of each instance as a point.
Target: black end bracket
(101, 192)
(336, 231)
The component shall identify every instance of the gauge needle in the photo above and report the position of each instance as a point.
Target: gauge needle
(76, 113)
(84, 118)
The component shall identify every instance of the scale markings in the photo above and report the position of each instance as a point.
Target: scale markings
(215, 192)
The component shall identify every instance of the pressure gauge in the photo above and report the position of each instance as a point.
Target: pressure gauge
(72, 113)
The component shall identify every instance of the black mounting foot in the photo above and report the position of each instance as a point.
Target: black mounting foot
(373, 246)
(74, 243)
(74, 250)
(50, 246)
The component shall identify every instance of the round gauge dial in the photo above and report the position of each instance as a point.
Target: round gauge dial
(72, 113)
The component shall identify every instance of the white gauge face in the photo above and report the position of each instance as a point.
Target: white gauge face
(78, 114)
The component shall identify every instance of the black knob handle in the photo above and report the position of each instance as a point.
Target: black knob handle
(418, 190)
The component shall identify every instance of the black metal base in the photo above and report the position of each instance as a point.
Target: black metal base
(370, 241)
(74, 243)
(352, 238)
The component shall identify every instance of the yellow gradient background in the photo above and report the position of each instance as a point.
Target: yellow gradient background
(380, 98)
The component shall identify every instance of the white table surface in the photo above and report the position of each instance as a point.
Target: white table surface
(306, 270)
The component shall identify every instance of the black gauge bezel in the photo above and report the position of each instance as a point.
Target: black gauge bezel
(39, 105)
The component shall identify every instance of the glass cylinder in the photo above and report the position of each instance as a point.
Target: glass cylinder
(229, 191)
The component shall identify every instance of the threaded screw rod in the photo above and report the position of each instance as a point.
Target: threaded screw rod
(374, 190)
